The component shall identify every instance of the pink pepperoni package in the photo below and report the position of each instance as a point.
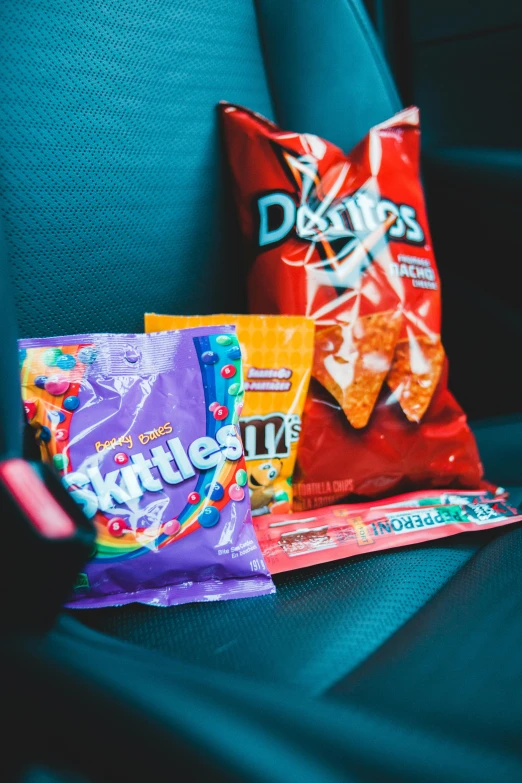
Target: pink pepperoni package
(143, 430)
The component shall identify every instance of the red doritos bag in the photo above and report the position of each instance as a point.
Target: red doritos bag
(345, 240)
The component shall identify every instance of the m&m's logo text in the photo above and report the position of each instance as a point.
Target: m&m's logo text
(267, 437)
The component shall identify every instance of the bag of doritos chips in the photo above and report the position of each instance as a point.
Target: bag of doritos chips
(144, 432)
(277, 356)
(344, 239)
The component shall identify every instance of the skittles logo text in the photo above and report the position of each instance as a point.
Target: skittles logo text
(173, 466)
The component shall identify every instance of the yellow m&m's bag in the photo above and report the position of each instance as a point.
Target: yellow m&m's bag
(277, 354)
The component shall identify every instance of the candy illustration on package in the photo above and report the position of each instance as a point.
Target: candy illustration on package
(277, 354)
(144, 432)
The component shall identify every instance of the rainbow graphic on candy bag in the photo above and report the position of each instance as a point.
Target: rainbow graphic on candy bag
(144, 432)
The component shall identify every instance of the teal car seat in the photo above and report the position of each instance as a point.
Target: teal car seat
(115, 201)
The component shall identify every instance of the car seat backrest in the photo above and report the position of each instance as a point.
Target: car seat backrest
(110, 173)
(326, 69)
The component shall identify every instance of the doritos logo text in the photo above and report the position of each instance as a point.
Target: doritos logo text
(343, 238)
(348, 218)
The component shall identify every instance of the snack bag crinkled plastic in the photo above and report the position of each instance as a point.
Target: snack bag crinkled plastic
(277, 356)
(344, 239)
(144, 432)
(334, 532)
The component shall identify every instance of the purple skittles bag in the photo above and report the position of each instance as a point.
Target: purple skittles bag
(144, 432)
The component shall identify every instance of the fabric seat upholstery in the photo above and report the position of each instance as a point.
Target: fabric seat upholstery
(114, 204)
